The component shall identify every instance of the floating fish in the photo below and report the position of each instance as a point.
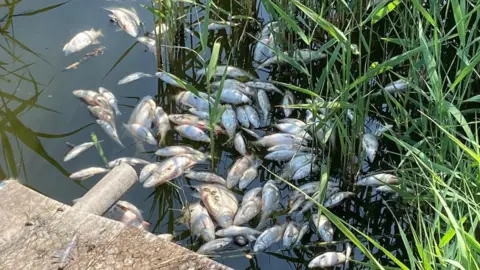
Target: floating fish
(330, 259)
(378, 180)
(82, 40)
(324, 227)
(77, 150)
(110, 130)
(305, 171)
(141, 133)
(294, 130)
(290, 235)
(396, 86)
(295, 164)
(169, 79)
(233, 96)
(249, 175)
(231, 72)
(128, 214)
(214, 245)
(110, 98)
(303, 230)
(127, 20)
(252, 115)
(229, 120)
(265, 107)
(250, 208)
(234, 230)
(144, 112)
(105, 114)
(337, 198)
(262, 49)
(283, 155)
(147, 171)
(150, 43)
(220, 202)
(192, 133)
(177, 150)
(199, 222)
(189, 99)
(269, 237)
(129, 160)
(370, 145)
(242, 117)
(288, 99)
(279, 138)
(88, 172)
(266, 86)
(270, 201)
(304, 55)
(133, 77)
(169, 169)
(295, 147)
(251, 194)
(237, 170)
(162, 123)
(240, 144)
(202, 114)
(207, 177)
(89, 96)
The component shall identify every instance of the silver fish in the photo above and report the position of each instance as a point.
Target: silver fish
(242, 117)
(162, 123)
(169, 169)
(370, 145)
(127, 20)
(141, 133)
(301, 233)
(77, 150)
(305, 171)
(177, 150)
(306, 207)
(251, 133)
(283, 155)
(207, 177)
(127, 213)
(220, 202)
(251, 194)
(282, 147)
(240, 144)
(378, 180)
(252, 115)
(150, 43)
(89, 96)
(262, 49)
(294, 130)
(304, 55)
(202, 114)
(88, 172)
(249, 209)
(129, 160)
(233, 96)
(330, 259)
(396, 86)
(110, 130)
(63, 255)
(266, 86)
(133, 77)
(144, 112)
(159, 30)
(297, 202)
(269, 237)
(219, 25)
(198, 221)
(269, 28)
(270, 201)
(214, 245)
(169, 79)
(290, 235)
(229, 120)
(324, 227)
(295, 164)
(147, 171)
(193, 133)
(337, 198)
(249, 175)
(294, 121)
(237, 170)
(279, 138)
(234, 230)
(265, 107)
(231, 72)
(101, 113)
(231, 84)
(189, 99)
(288, 99)
(110, 99)
(82, 40)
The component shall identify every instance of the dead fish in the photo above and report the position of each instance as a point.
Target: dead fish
(167, 78)
(378, 180)
(199, 222)
(269, 237)
(252, 115)
(104, 114)
(127, 20)
(265, 107)
(220, 202)
(133, 77)
(214, 245)
(207, 177)
(370, 145)
(305, 171)
(251, 194)
(301, 233)
(294, 130)
(202, 114)
(189, 99)
(233, 96)
(128, 214)
(396, 86)
(229, 120)
(231, 84)
(266, 86)
(288, 99)
(110, 130)
(63, 255)
(262, 49)
(279, 138)
(159, 30)
(88, 96)
(283, 155)
(193, 133)
(129, 160)
(231, 72)
(110, 99)
(297, 202)
(330, 259)
(290, 235)
(251, 133)
(293, 121)
(170, 151)
(324, 227)
(82, 40)
(192, 120)
(163, 124)
(169, 169)
(337, 198)
(269, 28)
(295, 164)
(306, 207)
(144, 112)
(240, 144)
(219, 25)
(249, 175)
(234, 230)
(150, 43)
(250, 208)
(141, 133)
(237, 170)
(270, 201)
(77, 150)
(88, 172)
(304, 55)
(242, 117)
(147, 171)
(282, 147)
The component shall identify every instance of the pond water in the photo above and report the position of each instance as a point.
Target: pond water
(46, 34)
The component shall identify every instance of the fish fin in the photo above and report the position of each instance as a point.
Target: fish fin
(100, 32)
(95, 42)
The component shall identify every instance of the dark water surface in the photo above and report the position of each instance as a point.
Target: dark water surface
(47, 33)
